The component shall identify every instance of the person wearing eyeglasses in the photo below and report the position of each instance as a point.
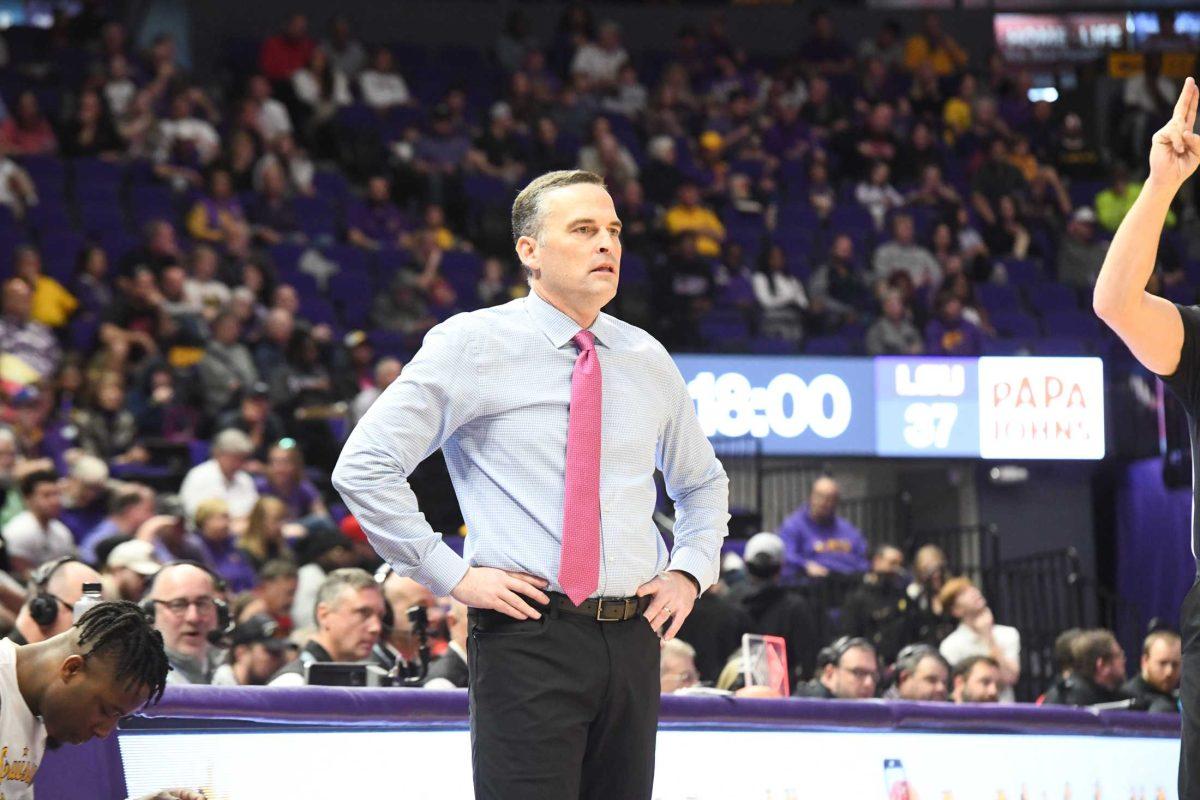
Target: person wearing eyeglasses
(846, 670)
(185, 612)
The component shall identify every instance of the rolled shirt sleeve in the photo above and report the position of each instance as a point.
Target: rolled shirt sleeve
(433, 397)
(697, 483)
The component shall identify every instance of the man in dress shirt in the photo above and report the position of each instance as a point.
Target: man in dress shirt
(553, 417)
(222, 476)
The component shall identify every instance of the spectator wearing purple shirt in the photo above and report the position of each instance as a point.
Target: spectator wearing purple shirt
(948, 334)
(818, 540)
(216, 537)
(378, 222)
(284, 479)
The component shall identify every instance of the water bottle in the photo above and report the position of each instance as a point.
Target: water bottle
(89, 598)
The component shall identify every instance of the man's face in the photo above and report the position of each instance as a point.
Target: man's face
(278, 594)
(578, 255)
(1162, 666)
(85, 700)
(185, 629)
(1111, 671)
(352, 623)
(890, 561)
(18, 299)
(969, 602)
(130, 585)
(261, 662)
(46, 500)
(403, 594)
(854, 677)
(982, 685)
(904, 230)
(677, 672)
(280, 468)
(822, 502)
(8, 457)
(929, 681)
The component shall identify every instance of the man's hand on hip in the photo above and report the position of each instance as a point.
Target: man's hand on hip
(674, 594)
(488, 587)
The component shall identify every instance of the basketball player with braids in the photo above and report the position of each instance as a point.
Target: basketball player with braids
(75, 687)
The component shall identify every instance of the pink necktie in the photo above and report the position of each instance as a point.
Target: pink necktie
(579, 570)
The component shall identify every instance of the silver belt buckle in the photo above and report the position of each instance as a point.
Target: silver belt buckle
(600, 612)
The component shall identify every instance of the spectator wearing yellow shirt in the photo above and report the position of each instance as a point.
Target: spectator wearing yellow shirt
(435, 223)
(932, 45)
(688, 216)
(1114, 203)
(52, 305)
(958, 113)
(213, 215)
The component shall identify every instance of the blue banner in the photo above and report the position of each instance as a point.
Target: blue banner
(923, 407)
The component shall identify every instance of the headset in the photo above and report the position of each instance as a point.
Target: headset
(388, 621)
(225, 621)
(833, 653)
(43, 606)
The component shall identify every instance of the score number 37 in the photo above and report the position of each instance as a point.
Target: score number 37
(929, 425)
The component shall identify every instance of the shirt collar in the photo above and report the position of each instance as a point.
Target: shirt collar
(558, 327)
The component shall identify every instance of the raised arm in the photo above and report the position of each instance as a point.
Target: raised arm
(1150, 325)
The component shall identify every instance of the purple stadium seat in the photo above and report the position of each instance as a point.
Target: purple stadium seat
(1050, 298)
(998, 297)
(1022, 272)
(315, 216)
(1061, 346)
(1013, 323)
(770, 345)
(1070, 323)
(633, 269)
(1003, 346)
(832, 345)
(724, 329)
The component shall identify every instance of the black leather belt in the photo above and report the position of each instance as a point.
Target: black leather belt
(602, 609)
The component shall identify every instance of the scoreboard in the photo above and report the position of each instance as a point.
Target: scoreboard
(902, 406)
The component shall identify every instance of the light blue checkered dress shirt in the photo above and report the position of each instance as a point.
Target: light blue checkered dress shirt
(492, 389)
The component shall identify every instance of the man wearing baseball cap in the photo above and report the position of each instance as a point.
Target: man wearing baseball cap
(130, 565)
(259, 651)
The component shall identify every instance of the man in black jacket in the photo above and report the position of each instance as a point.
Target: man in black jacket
(879, 609)
(1156, 687)
(449, 670)
(774, 609)
(1097, 672)
(349, 621)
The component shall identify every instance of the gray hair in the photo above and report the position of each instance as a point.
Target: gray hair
(232, 440)
(527, 209)
(338, 581)
(680, 648)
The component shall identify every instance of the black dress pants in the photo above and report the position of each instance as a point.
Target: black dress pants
(562, 707)
(1189, 696)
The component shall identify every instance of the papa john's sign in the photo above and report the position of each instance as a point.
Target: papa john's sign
(1041, 408)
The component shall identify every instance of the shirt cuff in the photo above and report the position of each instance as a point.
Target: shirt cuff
(441, 570)
(696, 563)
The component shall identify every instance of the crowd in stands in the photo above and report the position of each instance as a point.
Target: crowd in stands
(211, 281)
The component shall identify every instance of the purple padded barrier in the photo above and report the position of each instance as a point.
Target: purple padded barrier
(97, 763)
(375, 707)
(58, 779)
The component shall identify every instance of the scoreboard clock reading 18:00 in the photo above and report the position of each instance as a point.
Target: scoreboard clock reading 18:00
(1035, 408)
